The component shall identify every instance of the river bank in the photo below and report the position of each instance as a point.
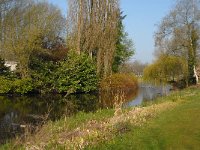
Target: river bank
(176, 128)
(17, 112)
(107, 126)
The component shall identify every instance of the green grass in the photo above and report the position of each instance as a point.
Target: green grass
(59, 126)
(178, 128)
(81, 118)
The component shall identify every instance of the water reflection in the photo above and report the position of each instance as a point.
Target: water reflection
(109, 98)
(148, 92)
(15, 112)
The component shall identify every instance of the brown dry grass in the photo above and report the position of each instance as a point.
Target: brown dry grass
(93, 132)
(119, 81)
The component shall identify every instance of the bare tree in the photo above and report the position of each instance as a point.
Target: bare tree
(5, 6)
(136, 67)
(92, 29)
(178, 33)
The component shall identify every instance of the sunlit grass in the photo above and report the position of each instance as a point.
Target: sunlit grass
(177, 128)
(170, 122)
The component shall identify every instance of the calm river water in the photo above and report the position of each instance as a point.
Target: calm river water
(17, 112)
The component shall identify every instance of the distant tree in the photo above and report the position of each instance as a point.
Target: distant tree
(135, 67)
(178, 33)
(166, 68)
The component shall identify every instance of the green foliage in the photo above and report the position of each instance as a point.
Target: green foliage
(124, 46)
(14, 85)
(6, 85)
(76, 74)
(23, 86)
(42, 73)
(173, 129)
(166, 68)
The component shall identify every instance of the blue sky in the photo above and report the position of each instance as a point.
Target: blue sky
(140, 23)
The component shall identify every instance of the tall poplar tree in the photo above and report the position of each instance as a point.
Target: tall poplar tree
(124, 46)
(92, 28)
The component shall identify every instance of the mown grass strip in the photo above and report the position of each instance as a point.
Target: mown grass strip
(176, 128)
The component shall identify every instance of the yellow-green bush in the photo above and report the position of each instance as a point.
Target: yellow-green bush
(5, 85)
(17, 86)
(166, 68)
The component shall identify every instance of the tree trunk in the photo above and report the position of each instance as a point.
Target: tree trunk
(196, 76)
(79, 27)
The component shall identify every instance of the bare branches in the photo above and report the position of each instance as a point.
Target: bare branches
(178, 33)
(92, 29)
(23, 24)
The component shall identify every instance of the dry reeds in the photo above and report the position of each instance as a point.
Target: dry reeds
(94, 132)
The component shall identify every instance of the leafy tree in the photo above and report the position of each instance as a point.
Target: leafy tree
(124, 46)
(29, 25)
(166, 68)
(178, 33)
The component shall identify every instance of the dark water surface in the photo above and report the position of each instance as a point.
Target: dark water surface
(16, 113)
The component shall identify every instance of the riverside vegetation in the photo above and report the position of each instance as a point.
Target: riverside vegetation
(53, 56)
(85, 52)
(168, 122)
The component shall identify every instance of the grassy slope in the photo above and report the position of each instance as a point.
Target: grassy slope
(52, 129)
(178, 128)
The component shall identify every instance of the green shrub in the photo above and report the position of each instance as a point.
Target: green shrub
(5, 85)
(23, 86)
(43, 75)
(76, 74)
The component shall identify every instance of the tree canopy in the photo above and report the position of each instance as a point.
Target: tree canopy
(40, 40)
(28, 27)
(166, 68)
(178, 33)
(95, 27)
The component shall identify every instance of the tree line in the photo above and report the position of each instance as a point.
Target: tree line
(177, 44)
(57, 53)
(95, 27)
